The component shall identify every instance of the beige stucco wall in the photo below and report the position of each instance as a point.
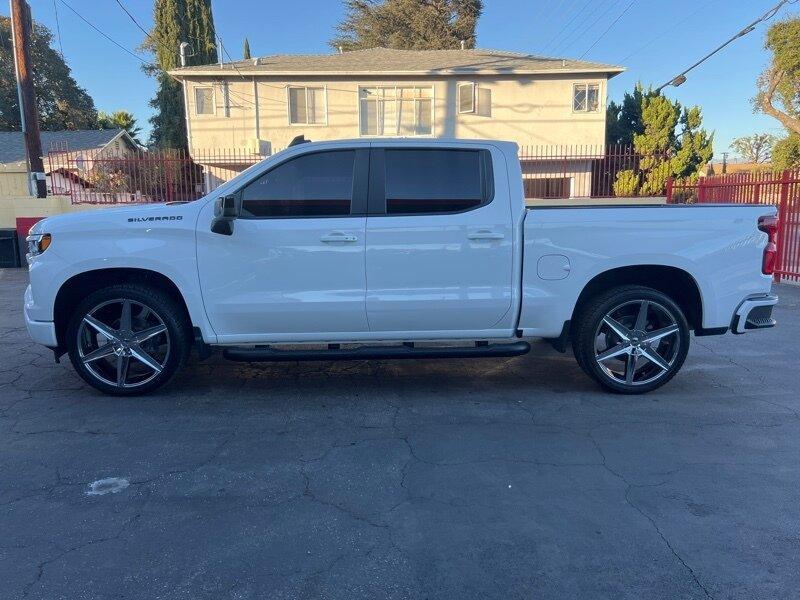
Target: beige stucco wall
(527, 110)
(12, 208)
(13, 179)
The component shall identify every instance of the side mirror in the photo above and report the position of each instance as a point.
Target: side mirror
(226, 210)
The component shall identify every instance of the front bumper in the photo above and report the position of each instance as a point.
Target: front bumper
(754, 313)
(42, 332)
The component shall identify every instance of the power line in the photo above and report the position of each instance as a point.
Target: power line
(667, 30)
(565, 26)
(579, 29)
(132, 18)
(567, 8)
(540, 18)
(108, 37)
(681, 77)
(225, 51)
(58, 30)
(614, 22)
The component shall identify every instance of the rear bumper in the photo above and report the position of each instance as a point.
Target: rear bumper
(754, 313)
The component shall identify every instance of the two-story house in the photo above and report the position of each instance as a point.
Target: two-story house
(260, 104)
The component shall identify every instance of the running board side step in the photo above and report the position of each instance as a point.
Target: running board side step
(377, 353)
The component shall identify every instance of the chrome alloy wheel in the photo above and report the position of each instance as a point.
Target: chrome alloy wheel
(637, 342)
(123, 343)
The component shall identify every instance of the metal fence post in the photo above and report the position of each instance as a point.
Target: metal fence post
(669, 189)
(783, 203)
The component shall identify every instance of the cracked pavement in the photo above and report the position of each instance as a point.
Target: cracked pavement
(483, 478)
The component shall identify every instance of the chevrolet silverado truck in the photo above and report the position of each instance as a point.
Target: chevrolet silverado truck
(382, 249)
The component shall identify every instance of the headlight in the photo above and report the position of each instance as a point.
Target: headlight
(38, 243)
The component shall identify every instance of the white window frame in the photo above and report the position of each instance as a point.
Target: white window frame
(474, 88)
(585, 85)
(396, 87)
(211, 87)
(306, 87)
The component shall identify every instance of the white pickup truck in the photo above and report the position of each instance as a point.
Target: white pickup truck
(375, 249)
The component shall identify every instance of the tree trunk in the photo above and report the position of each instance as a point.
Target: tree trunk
(766, 104)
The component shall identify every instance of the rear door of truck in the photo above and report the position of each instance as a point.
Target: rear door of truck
(439, 239)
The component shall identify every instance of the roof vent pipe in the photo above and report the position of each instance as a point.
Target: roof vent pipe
(463, 44)
(183, 53)
(563, 62)
(341, 50)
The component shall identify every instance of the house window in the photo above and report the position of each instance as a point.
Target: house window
(204, 100)
(585, 97)
(307, 106)
(404, 111)
(466, 97)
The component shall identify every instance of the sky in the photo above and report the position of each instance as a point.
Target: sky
(654, 39)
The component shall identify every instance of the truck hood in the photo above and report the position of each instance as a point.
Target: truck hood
(124, 215)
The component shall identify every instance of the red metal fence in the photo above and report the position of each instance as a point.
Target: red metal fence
(124, 176)
(778, 189)
(105, 176)
(591, 171)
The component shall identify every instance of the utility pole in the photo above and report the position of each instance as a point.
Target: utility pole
(29, 115)
(724, 162)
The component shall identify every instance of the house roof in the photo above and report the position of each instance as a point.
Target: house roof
(12, 143)
(378, 61)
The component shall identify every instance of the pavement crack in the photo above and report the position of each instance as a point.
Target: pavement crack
(628, 488)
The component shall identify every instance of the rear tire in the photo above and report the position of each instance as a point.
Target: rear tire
(631, 339)
(128, 339)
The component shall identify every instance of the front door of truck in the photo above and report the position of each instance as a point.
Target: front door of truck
(439, 240)
(293, 269)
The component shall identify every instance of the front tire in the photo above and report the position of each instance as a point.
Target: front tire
(631, 339)
(128, 339)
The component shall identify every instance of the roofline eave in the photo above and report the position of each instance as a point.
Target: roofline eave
(610, 71)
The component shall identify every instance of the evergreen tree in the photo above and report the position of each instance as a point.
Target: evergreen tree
(624, 120)
(669, 138)
(176, 21)
(408, 24)
(61, 102)
(246, 50)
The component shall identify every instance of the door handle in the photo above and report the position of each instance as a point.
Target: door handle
(338, 236)
(485, 234)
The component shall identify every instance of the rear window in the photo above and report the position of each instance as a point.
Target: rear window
(436, 181)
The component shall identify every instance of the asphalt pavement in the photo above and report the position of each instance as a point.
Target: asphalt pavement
(481, 478)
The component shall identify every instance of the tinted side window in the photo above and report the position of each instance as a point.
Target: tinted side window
(312, 185)
(434, 181)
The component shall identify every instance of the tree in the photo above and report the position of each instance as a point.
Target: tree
(61, 102)
(756, 148)
(669, 140)
(624, 120)
(176, 21)
(119, 119)
(408, 24)
(246, 50)
(786, 153)
(779, 85)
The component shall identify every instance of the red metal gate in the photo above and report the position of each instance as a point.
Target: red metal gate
(778, 189)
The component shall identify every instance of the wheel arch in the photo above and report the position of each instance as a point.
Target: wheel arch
(79, 286)
(675, 282)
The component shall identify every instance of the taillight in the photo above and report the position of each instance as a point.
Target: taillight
(769, 225)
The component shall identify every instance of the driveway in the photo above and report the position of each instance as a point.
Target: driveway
(483, 478)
